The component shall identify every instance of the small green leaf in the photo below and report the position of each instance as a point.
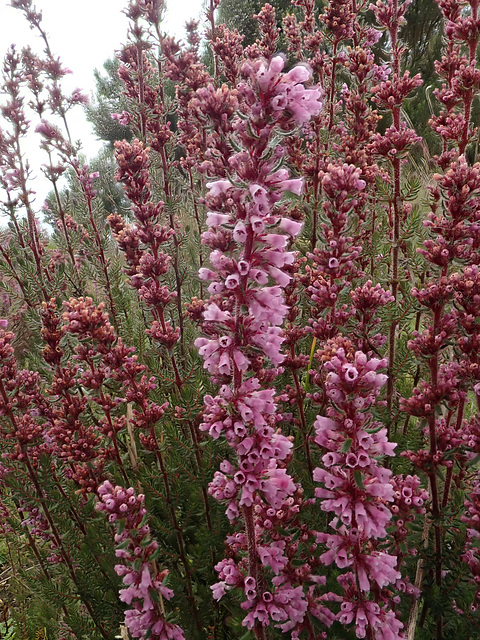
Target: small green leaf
(123, 545)
(474, 461)
(376, 429)
(357, 474)
(154, 595)
(296, 535)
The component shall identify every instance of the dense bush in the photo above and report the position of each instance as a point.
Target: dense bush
(240, 398)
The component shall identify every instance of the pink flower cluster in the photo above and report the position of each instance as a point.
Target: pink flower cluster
(262, 258)
(143, 242)
(286, 606)
(333, 267)
(357, 490)
(285, 92)
(249, 234)
(285, 603)
(144, 584)
(245, 418)
(409, 499)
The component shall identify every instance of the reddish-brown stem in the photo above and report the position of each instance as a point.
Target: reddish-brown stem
(32, 544)
(141, 92)
(58, 540)
(467, 111)
(397, 212)
(176, 245)
(449, 473)
(41, 497)
(332, 87)
(178, 530)
(303, 421)
(17, 279)
(114, 438)
(258, 629)
(71, 507)
(11, 213)
(433, 366)
(316, 191)
(61, 214)
(199, 223)
(160, 317)
(99, 244)
(211, 19)
(56, 86)
(198, 458)
(77, 519)
(34, 241)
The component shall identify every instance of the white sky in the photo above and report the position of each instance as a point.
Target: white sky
(83, 33)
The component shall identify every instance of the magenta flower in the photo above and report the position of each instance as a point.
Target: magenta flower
(242, 323)
(144, 585)
(356, 489)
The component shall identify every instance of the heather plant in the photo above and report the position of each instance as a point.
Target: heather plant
(239, 397)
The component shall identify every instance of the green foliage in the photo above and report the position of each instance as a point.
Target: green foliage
(108, 100)
(237, 14)
(422, 35)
